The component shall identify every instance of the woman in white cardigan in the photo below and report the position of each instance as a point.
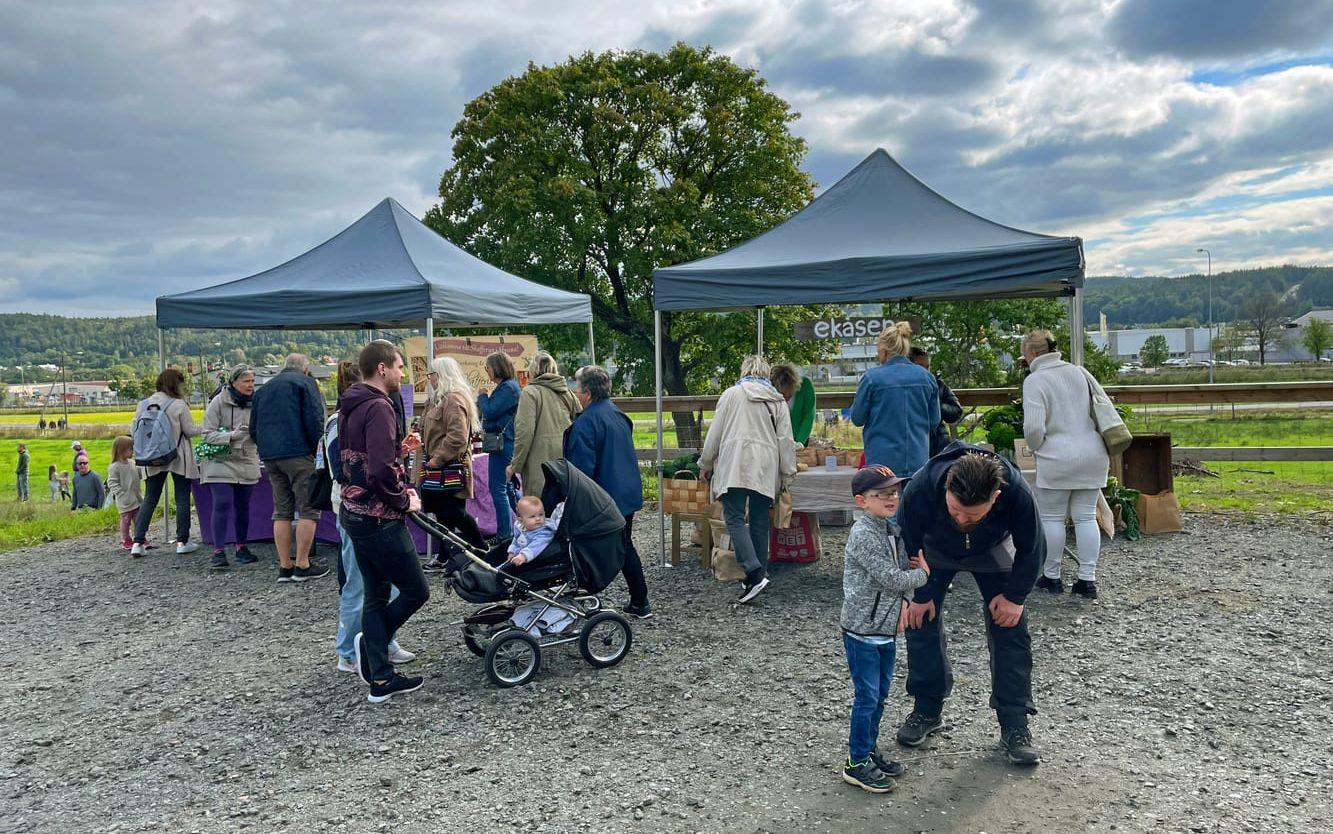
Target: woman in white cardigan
(1071, 459)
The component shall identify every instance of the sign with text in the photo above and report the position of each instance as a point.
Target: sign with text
(471, 353)
(848, 328)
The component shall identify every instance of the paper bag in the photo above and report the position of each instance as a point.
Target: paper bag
(780, 517)
(1159, 513)
(723, 557)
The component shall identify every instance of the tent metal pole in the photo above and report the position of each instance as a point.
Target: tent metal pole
(430, 360)
(657, 392)
(166, 498)
(759, 331)
(592, 344)
(1076, 327)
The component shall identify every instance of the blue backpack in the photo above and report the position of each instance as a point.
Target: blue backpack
(153, 435)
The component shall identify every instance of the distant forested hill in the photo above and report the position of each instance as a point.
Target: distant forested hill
(1130, 302)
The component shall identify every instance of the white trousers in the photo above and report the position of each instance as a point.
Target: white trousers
(1080, 505)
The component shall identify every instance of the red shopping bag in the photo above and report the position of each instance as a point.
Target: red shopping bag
(798, 543)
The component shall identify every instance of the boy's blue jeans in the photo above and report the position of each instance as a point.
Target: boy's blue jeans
(351, 600)
(871, 668)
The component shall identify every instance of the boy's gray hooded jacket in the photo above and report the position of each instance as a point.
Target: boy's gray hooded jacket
(875, 578)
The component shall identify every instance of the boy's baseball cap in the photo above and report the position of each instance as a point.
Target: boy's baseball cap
(875, 477)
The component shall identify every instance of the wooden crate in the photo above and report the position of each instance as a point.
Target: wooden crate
(1146, 464)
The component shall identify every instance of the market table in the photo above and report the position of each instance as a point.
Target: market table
(261, 510)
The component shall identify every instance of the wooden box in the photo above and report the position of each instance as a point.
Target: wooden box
(1146, 464)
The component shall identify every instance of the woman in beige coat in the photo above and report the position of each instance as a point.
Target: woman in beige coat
(749, 457)
(447, 426)
(545, 410)
(170, 397)
(231, 476)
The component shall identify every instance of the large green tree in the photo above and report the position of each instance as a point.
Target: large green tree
(589, 174)
(1317, 336)
(1155, 351)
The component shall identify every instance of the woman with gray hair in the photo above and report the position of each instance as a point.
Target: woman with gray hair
(1072, 462)
(545, 409)
(749, 457)
(229, 464)
(447, 426)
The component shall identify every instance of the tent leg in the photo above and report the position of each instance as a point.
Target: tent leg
(430, 360)
(592, 345)
(1076, 327)
(166, 499)
(759, 331)
(657, 392)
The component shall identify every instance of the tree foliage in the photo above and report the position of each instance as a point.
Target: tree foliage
(589, 174)
(1262, 315)
(1154, 352)
(1183, 301)
(1317, 337)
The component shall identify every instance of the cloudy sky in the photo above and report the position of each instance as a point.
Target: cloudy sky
(154, 147)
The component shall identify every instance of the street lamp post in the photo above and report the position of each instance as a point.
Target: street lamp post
(1210, 313)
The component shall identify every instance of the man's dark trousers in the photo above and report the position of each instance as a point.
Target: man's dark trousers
(930, 677)
(387, 557)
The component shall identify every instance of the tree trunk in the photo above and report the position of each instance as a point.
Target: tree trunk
(689, 430)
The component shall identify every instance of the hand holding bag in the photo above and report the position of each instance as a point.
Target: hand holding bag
(445, 480)
(1115, 434)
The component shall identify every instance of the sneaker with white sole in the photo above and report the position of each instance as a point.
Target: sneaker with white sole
(381, 691)
(750, 590)
(137, 550)
(346, 665)
(362, 662)
(186, 547)
(401, 655)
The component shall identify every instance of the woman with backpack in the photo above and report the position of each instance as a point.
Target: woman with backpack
(162, 429)
(232, 469)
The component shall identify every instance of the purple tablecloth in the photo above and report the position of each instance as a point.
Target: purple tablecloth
(261, 510)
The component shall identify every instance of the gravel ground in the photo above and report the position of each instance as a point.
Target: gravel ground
(149, 695)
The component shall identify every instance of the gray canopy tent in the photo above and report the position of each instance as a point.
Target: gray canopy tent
(385, 270)
(878, 234)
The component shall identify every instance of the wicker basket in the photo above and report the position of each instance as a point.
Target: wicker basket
(684, 494)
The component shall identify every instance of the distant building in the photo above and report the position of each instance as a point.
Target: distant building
(1188, 343)
(1295, 331)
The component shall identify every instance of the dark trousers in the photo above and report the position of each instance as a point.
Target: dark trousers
(451, 510)
(230, 501)
(152, 493)
(930, 677)
(633, 570)
(387, 558)
(749, 529)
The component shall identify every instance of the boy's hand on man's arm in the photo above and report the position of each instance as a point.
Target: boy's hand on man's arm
(918, 561)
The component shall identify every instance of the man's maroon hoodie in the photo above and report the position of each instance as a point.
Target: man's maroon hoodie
(369, 439)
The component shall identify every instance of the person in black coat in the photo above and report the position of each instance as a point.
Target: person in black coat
(951, 411)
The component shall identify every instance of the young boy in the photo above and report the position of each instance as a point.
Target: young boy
(875, 579)
(535, 530)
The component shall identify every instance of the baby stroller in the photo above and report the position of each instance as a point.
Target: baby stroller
(552, 600)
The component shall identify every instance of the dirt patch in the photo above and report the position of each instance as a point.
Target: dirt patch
(149, 695)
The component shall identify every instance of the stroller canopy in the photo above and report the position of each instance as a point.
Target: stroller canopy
(592, 523)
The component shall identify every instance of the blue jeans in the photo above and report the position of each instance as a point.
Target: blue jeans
(351, 601)
(871, 668)
(502, 494)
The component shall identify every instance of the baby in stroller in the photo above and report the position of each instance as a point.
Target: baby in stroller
(535, 531)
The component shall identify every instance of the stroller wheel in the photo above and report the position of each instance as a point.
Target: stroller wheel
(513, 658)
(605, 639)
(473, 644)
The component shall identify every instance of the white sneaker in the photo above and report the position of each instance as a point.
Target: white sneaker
(401, 655)
(137, 550)
(186, 547)
(345, 665)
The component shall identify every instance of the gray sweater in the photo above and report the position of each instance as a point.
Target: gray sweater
(88, 490)
(875, 578)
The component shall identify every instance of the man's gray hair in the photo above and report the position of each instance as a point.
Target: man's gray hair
(297, 361)
(595, 380)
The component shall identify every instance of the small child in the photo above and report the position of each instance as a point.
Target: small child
(64, 486)
(53, 481)
(876, 578)
(122, 482)
(535, 530)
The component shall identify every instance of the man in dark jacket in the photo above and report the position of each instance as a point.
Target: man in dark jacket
(375, 501)
(951, 411)
(601, 443)
(287, 422)
(970, 510)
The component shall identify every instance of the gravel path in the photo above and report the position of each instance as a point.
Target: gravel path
(149, 695)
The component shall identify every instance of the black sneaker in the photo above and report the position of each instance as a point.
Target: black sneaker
(867, 777)
(219, 561)
(381, 691)
(359, 655)
(314, 571)
(244, 556)
(917, 728)
(1055, 586)
(285, 574)
(886, 766)
(1018, 749)
(436, 565)
(640, 612)
(1084, 589)
(750, 590)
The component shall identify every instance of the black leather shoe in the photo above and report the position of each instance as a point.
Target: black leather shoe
(1018, 749)
(1084, 589)
(1055, 586)
(917, 728)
